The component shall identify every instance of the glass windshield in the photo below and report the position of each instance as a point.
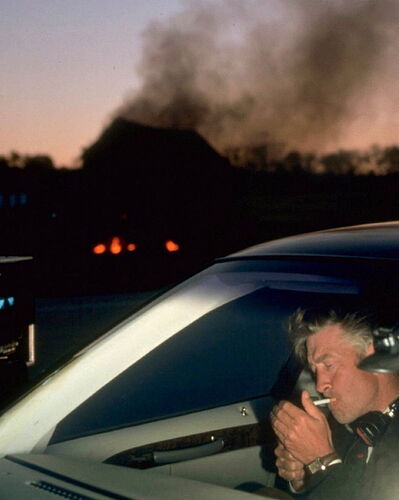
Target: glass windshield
(229, 342)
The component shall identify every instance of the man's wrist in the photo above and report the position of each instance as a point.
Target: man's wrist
(323, 463)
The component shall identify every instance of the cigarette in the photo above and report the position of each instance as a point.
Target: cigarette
(325, 401)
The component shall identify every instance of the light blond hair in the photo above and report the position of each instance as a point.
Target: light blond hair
(304, 323)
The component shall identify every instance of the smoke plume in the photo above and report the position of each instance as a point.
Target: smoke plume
(305, 74)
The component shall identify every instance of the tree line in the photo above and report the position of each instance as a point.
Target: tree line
(376, 160)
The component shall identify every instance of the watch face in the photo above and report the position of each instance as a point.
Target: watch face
(315, 466)
(322, 463)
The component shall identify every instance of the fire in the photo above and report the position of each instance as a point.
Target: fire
(116, 245)
(99, 249)
(172, 246)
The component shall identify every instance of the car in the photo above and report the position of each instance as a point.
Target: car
(174, 400)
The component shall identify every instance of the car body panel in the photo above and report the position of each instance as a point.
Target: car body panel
(183, 425)
(184, 431)
(365, 241)
(38, 476)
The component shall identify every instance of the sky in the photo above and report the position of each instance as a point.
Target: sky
(65, 66)
(311, 75)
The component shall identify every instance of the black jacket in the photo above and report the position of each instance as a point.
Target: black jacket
(355, 479)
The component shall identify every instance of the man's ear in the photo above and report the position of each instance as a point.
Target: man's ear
(370, 349)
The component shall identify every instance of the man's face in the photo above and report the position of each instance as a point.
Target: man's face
(334, 361)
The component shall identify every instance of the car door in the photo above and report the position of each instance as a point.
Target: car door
(197, 405)
(198, 401)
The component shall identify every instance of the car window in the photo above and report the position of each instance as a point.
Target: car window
(232, 353)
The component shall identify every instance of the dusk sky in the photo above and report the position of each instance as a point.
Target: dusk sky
(65, 66)
(310, 74)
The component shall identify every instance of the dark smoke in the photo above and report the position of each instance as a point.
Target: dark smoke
(303, 74)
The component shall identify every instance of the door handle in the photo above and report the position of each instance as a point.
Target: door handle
(202, 450)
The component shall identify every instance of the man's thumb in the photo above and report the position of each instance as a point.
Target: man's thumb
(308, 405)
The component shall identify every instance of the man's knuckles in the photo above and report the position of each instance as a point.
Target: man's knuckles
(294, 432)
(288, 465)
(281, 407)
(290, 475)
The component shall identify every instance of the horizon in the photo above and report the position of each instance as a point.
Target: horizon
(66, 67)
(231, 72)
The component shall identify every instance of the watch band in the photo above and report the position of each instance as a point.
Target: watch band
(321, 463)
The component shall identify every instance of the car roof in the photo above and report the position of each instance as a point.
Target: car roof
(373, 241)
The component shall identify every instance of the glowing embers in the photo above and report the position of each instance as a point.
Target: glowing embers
(115, 246)
(99, 249)
(171, 246)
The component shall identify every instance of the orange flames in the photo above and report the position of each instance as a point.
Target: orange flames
(99, 249)
(172, 246)
(117, 246)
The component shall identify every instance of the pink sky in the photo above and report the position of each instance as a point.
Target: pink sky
(66, 66)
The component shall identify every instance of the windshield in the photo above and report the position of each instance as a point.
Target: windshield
(225, 340)
(215, 339)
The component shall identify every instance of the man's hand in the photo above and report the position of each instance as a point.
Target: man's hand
(289, 468)
(304, 433)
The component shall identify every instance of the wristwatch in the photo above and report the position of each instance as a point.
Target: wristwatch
(321, 463)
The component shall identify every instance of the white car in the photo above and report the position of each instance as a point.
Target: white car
(174, 401)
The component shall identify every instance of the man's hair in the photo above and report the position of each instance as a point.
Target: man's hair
(306, 322)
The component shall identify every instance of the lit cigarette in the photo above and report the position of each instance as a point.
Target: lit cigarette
(325, 401)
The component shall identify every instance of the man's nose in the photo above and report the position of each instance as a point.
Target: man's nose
(323, 382)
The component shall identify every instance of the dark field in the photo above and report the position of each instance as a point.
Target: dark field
(64, 325)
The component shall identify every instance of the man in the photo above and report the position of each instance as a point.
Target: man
(329, 459)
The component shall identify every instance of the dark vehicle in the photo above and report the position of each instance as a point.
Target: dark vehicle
(183, 388)
(17, 342)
